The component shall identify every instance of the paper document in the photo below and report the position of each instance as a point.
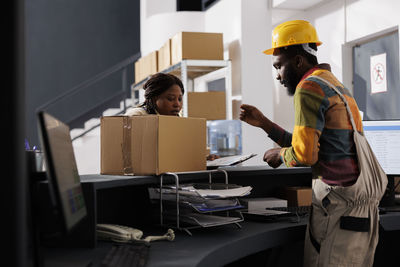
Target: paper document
(207, 220)
(229, 161)
(225, 193)
(190, 191)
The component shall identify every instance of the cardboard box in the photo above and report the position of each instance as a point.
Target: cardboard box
(298, 196)
(149, 64)
(196, 45)
(208, 105)
(148, 145)
(146, 66)
(164, 56)
(138, 74)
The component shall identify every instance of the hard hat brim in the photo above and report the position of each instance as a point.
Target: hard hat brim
(271, 50)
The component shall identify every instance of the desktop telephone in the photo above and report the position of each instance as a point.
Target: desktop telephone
(125, 234)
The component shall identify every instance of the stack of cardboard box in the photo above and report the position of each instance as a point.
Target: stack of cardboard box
(183, 45)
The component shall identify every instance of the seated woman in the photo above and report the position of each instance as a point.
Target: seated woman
(163, 96)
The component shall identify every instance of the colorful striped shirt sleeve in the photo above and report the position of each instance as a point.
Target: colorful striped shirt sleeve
(280, 136)
(310, 105)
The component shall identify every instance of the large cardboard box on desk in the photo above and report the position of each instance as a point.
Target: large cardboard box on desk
(196, 45)
(153, 144)
(208, 105)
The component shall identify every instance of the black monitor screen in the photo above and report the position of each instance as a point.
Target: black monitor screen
(62, 170)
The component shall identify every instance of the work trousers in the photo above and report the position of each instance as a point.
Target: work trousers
(343, 226)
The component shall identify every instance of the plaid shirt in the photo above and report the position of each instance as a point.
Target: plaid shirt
(322, 136)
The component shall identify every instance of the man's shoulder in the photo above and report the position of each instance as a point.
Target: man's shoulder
(312, 83)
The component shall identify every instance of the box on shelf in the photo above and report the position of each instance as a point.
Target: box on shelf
(298, 196)
(196, 45)
(138, 74)
(208, 105)
(148, 145)
(149, 64)
(146, 66)
(164, 56)
(254, 204)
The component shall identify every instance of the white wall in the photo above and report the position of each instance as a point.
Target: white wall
(257, 84)
(246, 27)
(157, 29)
(87, 152)
(159, 21)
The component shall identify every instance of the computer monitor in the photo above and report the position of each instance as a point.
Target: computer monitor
(384, 139)
(63, 177)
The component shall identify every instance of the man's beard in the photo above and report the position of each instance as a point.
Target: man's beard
(292, 80)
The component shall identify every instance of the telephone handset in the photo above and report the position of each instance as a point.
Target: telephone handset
(124, 234)
(118, 233)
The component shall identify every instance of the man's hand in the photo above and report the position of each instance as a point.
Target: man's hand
(212, 157)
(273, 158)
(252, 115)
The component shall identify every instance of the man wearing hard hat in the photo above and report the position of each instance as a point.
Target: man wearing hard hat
(343, 225)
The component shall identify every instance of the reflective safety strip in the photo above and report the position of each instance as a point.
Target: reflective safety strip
(356, 224)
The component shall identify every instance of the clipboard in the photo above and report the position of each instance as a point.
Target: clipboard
(228, 161)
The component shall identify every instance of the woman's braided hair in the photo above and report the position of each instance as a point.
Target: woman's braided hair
(155, 86)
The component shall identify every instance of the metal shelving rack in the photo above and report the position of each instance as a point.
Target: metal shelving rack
(178, 225)
(189, 69)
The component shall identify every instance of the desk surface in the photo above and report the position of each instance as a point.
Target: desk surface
(215, 246)
(207, 246)
(266, 172)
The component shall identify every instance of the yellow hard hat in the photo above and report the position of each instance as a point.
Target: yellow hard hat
(292, 33)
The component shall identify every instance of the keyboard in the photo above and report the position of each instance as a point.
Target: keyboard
(300, 210)
(124, 255)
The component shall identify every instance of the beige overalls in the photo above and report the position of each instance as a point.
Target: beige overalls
(344, 222)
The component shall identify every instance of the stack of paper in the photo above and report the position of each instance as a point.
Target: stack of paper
(208, 220)
(224, 193)
(203, 200)
(208, 193)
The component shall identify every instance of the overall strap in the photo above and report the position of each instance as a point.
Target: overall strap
(343, 99)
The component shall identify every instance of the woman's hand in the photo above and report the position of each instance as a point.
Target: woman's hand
(273, 157)
(252, 115)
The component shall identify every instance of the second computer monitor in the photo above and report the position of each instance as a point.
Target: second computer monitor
(63, 176)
